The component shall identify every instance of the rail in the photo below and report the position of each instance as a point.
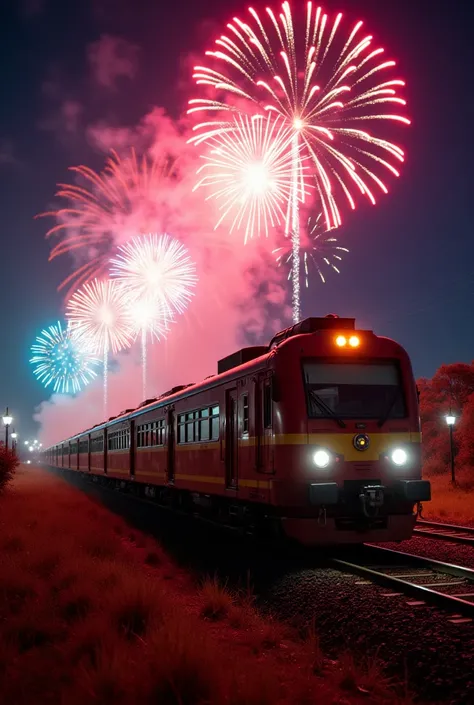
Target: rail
(446, 532)
(448, 586)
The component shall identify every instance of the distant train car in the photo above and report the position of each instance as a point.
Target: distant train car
(316, 437)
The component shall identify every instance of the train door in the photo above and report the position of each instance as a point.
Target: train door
(132, 445)
(106, 443)
(265, 440)
(171, 446)
(231, 439)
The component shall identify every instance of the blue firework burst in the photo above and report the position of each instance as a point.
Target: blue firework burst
(60, 361)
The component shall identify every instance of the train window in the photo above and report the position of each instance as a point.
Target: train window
(160, 434)
(189, 431)
(197, 426)
(354, 390)
(267, 405)
(97, 444)
(245, 415)
(204, 425)
(215, 423)
(149, 434)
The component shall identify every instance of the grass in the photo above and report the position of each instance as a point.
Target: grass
(93, 611)
(450, 503)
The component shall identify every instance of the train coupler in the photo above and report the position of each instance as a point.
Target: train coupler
(371, 498)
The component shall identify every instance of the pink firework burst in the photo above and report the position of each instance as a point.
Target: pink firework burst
(332, 88)
(100, 207)
(329, 84)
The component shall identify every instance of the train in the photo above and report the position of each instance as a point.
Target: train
(314, 438)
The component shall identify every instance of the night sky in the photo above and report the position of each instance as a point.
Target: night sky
(409, 274)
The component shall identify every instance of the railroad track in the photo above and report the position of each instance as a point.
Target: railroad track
(447, 532)
(448, 586)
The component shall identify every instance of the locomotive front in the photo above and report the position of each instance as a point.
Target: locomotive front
(347, 435)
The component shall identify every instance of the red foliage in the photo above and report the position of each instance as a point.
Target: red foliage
(8, 464)
(451, 389)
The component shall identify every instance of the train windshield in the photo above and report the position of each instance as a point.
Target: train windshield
(350, 390)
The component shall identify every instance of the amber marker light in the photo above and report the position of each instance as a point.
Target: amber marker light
(354, 341)
(341, 341)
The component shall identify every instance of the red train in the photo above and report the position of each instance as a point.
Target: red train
(315, 436)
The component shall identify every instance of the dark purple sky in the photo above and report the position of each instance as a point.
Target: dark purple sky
(410, 271)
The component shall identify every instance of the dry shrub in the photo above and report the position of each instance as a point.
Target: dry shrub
(8, 464)
(241, 617)
(184, 664)
(103, 545)
(365, 675)
(33, 627)
(105, 679)
(136, 606)
(47, 565)
(153, 558)
(267, 635)
(13, 544)
(217, 599)
(17, 587)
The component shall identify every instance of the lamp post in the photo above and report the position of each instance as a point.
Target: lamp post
(14, 437)
(451, 420)
(7, 419)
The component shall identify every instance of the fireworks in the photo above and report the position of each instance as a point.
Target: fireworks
(249, 171)
(328, 85)
(60, 361)
(158, 269)
(99, 314)
(158, 276)
(100, 208)
(320, 250)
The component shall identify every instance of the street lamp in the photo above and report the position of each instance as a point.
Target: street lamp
(451, 420)
(7, 419)
(14, 437)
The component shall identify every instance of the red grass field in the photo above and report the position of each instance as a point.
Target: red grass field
(93, 611)
(448, 503)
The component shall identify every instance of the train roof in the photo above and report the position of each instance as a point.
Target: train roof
(227, 367)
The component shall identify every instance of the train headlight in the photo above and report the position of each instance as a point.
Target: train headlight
(341, 340)
(399, 457)
(321, 458)
(354, 341)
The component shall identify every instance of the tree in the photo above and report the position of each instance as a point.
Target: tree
(454, 384)
(451, 389)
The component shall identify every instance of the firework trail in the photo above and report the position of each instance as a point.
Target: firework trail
(99, 209)
(319, 250)
(249, 171)
(328, 84)
(99, 315)
(60, 361)
(158, 276)
(149, 320)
